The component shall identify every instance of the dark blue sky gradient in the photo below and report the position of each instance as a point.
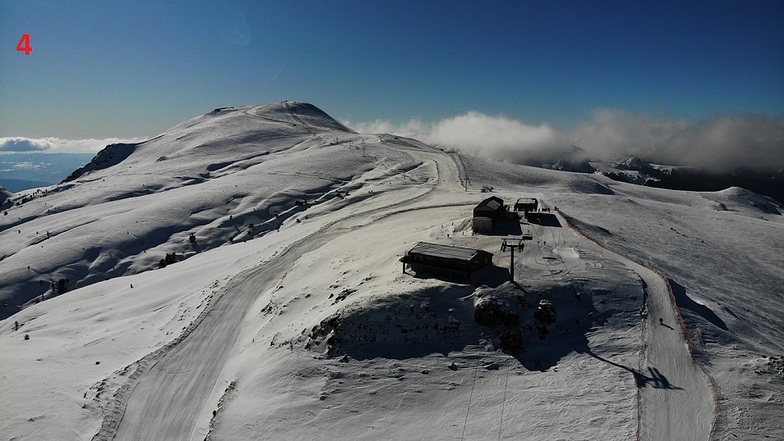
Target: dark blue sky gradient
(127, 69)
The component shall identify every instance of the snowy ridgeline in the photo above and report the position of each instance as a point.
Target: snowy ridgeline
(263, 297)
(227, 176)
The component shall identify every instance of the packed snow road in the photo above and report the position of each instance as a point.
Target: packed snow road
(676, 399)
(172, 397)
(675, 396)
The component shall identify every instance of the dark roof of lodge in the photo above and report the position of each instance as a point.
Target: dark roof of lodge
(445, 251)
(493, 203)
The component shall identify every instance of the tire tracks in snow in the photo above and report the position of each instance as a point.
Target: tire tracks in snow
(115, 409)
(677, 399)
(167, 399)
(168, 392)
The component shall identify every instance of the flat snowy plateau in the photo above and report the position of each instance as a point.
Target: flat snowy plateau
(285, 312)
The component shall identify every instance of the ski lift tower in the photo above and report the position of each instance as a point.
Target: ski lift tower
(512, 243)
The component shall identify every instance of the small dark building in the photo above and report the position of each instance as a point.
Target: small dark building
(526, 204)
(446, 261)
(492, 207)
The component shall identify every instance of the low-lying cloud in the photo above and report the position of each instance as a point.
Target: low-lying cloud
(718, 144)
(413, 128)
(499, 137)
(722, 143)
(58, 145)
(477, 134)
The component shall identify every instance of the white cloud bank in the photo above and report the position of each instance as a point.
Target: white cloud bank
(499, 137)
(59, 145)
(720, 144)
(477, 134)
(723, 143)
(413, 128)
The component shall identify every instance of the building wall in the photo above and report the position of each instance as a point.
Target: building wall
(435, 270)
(482, 225)
(529, 206)
(485, 210)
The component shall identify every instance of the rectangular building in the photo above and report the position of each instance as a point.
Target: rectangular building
(492, 207)
(526, 204)
(444, 260)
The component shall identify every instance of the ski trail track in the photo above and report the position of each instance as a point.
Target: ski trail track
(677, 399)
(172, 395)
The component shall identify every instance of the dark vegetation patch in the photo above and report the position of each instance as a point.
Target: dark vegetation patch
(538, 324)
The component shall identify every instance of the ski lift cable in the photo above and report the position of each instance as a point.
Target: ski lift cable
(470, 397)
(503, 404)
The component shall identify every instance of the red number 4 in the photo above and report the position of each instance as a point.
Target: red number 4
(24, 45)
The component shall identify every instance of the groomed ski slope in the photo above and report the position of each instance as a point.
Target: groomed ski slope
(676, 397)
(232, 343)
(170, 398)
(173, 395)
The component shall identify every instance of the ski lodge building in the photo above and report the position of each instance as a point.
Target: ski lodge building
(487, 213)
(445, 261)
(526, 204)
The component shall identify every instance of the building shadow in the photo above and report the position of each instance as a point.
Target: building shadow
(506, 226)
(444, 277)
(491, 275)
(544, 219)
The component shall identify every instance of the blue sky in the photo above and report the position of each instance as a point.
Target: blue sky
(134, 69)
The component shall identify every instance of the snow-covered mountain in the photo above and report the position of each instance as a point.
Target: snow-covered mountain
(639, 171)
(226, 176)
(239, 277)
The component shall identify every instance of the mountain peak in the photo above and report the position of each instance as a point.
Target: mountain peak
(291, 112)
(222, 135)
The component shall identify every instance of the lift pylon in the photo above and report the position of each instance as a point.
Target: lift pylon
(512, 243)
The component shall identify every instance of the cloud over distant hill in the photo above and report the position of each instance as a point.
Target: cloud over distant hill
(58, 145)
(499, 137)
(718, 144)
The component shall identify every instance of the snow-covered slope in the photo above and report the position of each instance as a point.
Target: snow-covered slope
(721, 253)
(639, 171)
(304, 325)
(229, 175)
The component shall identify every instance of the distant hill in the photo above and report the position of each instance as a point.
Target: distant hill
(16, 185)
(25, 170)
(639, 171)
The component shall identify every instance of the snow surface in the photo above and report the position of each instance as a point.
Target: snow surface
(304, 325)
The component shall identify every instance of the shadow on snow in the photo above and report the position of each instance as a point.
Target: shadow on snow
(656, 379)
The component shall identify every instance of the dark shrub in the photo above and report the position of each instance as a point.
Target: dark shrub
(491, 311)
(511, 341)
